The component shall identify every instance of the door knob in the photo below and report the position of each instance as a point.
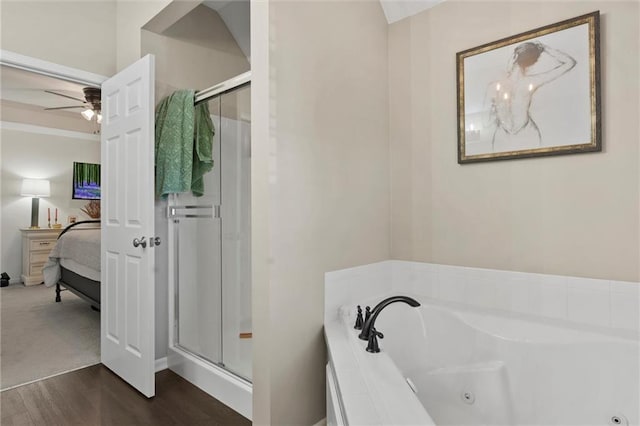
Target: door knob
(139, 242)
(154, 241)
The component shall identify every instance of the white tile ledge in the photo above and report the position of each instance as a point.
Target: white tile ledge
(380, 399)
(598, 303)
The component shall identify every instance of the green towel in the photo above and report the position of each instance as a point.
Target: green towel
(203, 149)
(179, 126)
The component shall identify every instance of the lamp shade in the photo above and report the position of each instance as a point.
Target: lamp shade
(88, 114)
(35, 188)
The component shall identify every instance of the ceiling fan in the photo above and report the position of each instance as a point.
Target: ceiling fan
(91, 103)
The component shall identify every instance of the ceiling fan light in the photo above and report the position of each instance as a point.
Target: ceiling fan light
(87, 114)
(99, 118)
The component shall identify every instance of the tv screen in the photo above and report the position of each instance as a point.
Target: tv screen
(86, 181)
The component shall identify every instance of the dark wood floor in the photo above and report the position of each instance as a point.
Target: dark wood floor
(96, 396)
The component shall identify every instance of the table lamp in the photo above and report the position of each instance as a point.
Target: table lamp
(35, 188)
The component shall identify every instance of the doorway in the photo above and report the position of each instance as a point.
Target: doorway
(43, 134)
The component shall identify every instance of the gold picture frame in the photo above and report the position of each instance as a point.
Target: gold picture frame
(533, 94)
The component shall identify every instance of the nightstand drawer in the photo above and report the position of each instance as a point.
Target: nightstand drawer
(36, 268)
(38, 257)
(41, 244)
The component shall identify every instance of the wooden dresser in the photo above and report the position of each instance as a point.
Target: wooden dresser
(36, 245)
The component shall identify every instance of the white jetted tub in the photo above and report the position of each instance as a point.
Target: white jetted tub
(446, 364)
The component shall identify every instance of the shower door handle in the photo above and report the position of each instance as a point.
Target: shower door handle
(139, 242)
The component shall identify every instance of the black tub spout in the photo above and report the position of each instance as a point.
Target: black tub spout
(370, 322)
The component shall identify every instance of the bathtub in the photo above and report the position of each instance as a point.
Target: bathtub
(447, 364)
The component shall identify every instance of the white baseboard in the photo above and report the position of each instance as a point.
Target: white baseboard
(161, 364)
(224, 386)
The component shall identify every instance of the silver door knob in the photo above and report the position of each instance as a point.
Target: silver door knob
(139, 242)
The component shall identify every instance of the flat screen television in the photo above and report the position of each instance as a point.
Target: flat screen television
(86, 181)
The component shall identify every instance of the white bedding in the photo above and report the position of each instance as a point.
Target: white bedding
(80, 269)
(77, 250)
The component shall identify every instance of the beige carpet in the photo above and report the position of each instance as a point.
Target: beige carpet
(39, 338)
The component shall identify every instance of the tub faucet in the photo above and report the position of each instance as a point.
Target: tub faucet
(369, 323)
(373, 341)
(359, 320)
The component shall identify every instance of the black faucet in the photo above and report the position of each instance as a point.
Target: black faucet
(373, 341)
(359, 320)
(369, 323)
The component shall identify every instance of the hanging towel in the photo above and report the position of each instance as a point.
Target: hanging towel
(184, 135)
(203, 149)
(174, 143)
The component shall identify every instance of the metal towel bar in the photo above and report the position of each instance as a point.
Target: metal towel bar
(209, 211)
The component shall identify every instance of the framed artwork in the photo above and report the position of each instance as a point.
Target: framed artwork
(532, 94)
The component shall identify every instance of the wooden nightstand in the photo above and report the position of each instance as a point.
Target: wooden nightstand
(36, 245)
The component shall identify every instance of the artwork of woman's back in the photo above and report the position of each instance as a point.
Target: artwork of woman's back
(532, 94)
(511, 96)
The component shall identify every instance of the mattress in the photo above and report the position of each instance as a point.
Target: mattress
(77, 250)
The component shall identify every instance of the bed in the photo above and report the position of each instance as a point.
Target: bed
(74, 262)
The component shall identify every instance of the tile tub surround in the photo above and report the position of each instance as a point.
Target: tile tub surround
(583, 301)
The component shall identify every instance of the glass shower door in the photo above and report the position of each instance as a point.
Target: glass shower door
(213, 246)
(235, 154)
(199, 262)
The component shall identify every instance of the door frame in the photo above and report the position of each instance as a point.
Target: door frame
(51, 69)
(62, 72)
(75, 75)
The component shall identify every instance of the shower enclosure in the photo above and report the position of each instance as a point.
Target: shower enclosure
(210, 265)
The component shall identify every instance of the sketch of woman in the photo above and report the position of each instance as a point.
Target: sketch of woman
(511, 97)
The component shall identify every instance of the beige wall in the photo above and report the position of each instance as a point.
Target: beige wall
(328, 202)
(131, 16)
(196, 52)
(100, 36)
(77, 34)
(570, 215)
(262, 145)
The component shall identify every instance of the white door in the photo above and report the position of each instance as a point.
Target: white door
(127, 289)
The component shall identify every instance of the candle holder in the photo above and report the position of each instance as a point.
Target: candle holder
(49, 223)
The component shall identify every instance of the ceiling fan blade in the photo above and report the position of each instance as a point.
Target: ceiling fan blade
(65, 96)
(69, 107)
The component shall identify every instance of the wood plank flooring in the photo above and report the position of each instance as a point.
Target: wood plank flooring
(96, 396)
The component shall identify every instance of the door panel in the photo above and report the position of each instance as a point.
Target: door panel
(127, 279)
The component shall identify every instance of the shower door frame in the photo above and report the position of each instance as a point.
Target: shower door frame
(226, 386)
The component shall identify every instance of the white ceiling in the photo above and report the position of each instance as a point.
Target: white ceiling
(395, 10)
(23, 100)
(29, 88)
